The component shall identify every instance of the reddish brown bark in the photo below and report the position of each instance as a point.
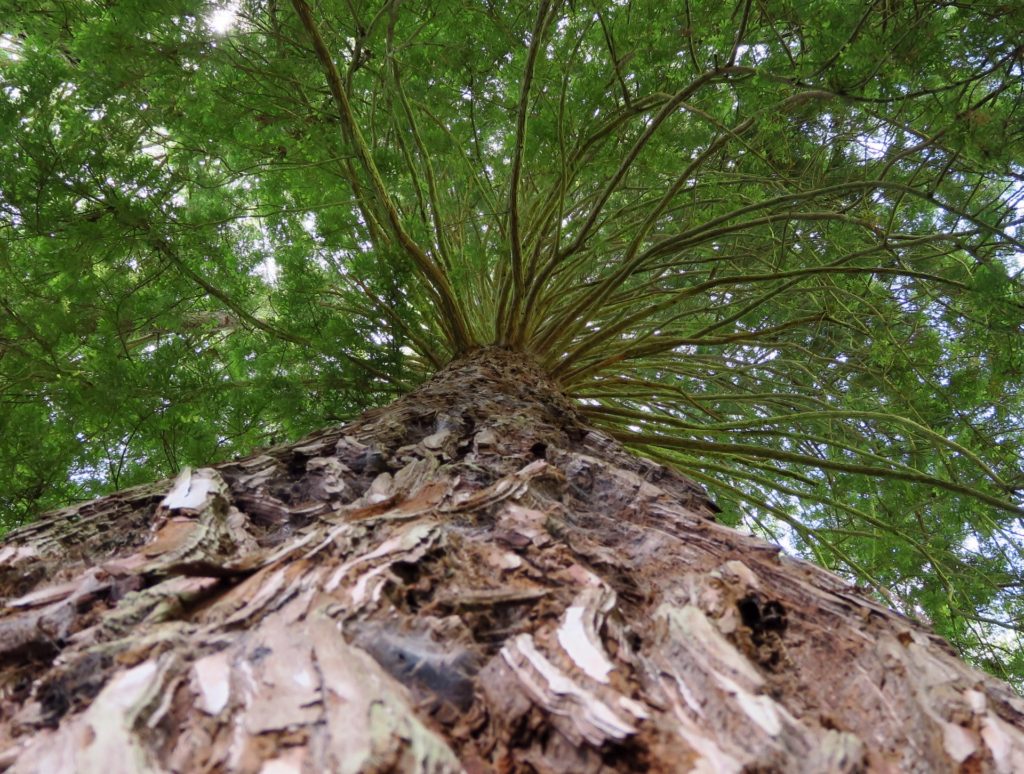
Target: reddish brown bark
(467, 579)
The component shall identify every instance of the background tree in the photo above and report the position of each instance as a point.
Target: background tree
(774, 246)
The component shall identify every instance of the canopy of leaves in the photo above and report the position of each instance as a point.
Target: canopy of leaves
(776, 245)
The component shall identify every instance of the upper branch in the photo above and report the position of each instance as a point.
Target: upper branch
(453, 316)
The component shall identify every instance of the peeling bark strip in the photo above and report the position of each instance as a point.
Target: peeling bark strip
(468, 579)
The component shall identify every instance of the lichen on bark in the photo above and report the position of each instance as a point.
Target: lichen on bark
(468, 579)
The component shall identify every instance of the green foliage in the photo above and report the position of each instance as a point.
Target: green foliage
(775, 245)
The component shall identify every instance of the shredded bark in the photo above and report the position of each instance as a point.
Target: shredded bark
(469, 579)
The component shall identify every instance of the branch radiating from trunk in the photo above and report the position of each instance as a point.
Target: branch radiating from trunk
(453, 317)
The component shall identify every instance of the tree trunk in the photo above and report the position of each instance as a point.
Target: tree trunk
(468, 579)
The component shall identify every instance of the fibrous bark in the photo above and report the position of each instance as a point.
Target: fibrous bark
(468, 579)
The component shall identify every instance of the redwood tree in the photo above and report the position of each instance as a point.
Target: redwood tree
(775, 250)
